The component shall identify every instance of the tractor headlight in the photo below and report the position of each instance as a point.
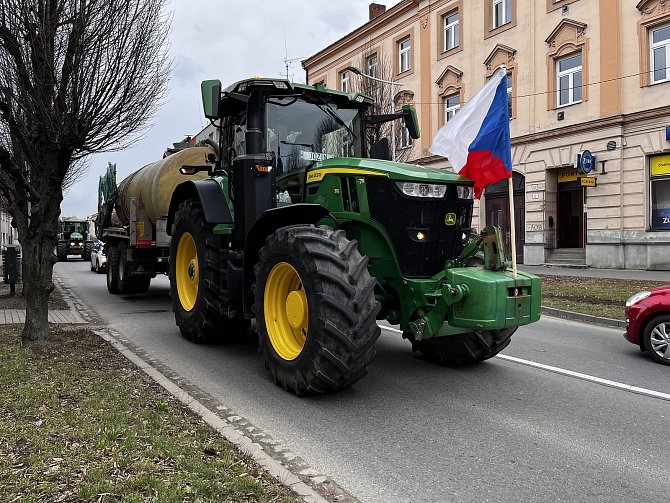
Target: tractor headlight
(429, 190)
(634, 299)
(465, 192)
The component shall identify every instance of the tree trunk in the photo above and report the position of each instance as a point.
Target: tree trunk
(38, 261)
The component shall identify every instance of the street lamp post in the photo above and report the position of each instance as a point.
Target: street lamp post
(358, 71)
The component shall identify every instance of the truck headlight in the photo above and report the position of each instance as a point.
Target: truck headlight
(429, 190)
(634, 299)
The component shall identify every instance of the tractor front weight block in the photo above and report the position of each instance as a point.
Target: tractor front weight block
(474, 298)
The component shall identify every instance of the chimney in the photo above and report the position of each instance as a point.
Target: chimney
(376, 10)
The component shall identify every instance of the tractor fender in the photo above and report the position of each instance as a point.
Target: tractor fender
(267, 223)
(209, 193)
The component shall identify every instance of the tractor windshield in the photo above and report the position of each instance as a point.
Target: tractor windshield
(302, 133)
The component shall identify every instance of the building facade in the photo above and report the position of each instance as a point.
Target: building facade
(8, 234)
(583, 75)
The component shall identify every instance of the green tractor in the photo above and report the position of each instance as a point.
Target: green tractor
(73, 239)
(317, 235)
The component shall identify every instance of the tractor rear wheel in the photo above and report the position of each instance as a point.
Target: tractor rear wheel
(463, 349)
(199, 279)
(112, 270)
(61, 252)
(315, 309)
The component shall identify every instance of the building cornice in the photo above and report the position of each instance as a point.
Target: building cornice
(364, 32)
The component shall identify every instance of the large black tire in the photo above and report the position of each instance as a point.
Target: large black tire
(656, 339)
(328, 342)
(88, 248)
(112, 270)
(199, 279)
(61, 252)
(127, 284)
(463, 349)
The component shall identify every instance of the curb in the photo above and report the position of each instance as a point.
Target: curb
(584, 318)
(224, 427)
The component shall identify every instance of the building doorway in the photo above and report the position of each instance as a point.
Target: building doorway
(571, 228)
(497, 212)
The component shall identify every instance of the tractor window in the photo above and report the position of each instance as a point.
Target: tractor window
(302, 133)
(233, 135)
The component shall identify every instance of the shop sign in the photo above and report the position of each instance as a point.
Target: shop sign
(567, 175)
(660, 165)
(585, 162)
(588, 181)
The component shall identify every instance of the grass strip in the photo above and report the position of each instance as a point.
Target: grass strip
(595, 296)
(78, 422)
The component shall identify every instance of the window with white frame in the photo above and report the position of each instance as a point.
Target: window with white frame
(405, 140)
(345, 81)
(659, 42)
(451, 105)
(404, 55)
(502, 12)
(569, 80)
(372, 64)
(451, 31)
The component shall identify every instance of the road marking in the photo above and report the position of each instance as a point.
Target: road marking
(577, 375)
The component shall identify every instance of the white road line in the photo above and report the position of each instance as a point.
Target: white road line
(577, 375)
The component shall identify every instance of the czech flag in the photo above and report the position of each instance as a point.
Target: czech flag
(477, 139)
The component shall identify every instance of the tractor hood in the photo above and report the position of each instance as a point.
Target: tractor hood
(76, 235)
(394, 170)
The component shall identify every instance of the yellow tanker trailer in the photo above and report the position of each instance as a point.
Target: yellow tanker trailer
(133, 218)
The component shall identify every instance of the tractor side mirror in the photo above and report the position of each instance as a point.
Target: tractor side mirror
(411, 121)
(211, 98)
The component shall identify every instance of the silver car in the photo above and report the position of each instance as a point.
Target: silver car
(98, 259)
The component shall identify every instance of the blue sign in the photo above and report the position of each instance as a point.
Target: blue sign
(586, 162)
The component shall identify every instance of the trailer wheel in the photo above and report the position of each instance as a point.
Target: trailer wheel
(112, 271)
(463, 349)
(61, 252)
(315, 309)
(199, 279)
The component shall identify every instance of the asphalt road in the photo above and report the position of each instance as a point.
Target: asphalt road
(410, 431)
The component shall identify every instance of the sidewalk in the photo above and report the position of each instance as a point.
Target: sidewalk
(69, 316)
(589, 272)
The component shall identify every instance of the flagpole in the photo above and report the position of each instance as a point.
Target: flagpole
(512, 225)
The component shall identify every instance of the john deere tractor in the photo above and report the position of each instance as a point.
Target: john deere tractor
(303, 226)
(73, 239)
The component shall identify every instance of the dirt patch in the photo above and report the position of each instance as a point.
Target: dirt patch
(18, 301)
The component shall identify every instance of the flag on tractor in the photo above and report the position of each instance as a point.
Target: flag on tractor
(477, 139)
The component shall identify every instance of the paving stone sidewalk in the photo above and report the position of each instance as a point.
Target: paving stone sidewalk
(70, 316)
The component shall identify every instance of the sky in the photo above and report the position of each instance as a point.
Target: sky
(229, 40)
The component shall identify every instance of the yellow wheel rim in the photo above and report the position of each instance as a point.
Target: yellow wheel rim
(286, 311)
(187, 271)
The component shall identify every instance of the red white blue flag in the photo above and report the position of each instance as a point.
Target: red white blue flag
(477, 140)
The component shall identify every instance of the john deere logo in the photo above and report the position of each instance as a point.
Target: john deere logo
(450, 219)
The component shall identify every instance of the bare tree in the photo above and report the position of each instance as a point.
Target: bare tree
(76, 77)
(385, 96)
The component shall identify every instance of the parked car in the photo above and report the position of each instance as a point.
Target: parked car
(98, 259)
(648, 322)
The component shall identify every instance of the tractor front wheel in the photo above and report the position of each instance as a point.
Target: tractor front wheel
(463, 349)
(315, 309)
(61, 252)
(88, 248)
(199, 279)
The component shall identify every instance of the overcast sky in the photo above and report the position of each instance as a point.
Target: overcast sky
(229, 40)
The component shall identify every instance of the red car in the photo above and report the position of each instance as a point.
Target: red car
(648, 322)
